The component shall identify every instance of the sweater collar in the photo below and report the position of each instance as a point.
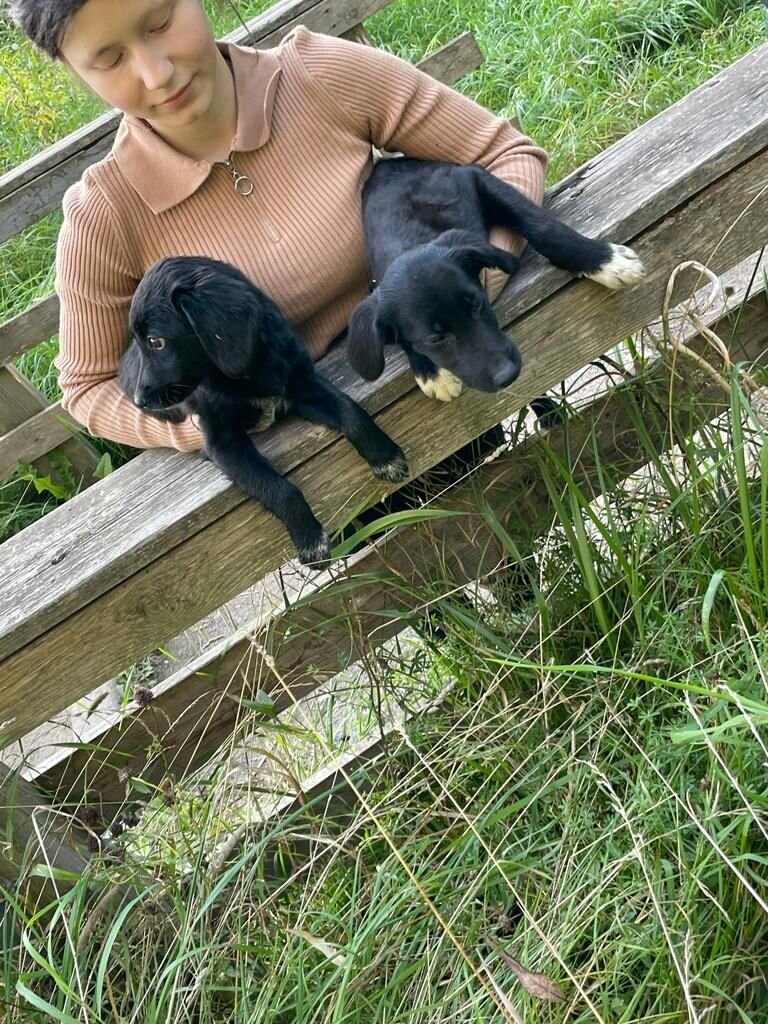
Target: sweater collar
(164, 177)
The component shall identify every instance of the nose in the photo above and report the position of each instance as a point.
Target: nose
(508, 372)
(154, 67)
(140, 399)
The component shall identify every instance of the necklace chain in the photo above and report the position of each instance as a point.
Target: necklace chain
(243, 184)
(244, 187)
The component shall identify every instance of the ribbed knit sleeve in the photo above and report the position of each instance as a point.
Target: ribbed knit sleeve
(403, 109)
(95, 284)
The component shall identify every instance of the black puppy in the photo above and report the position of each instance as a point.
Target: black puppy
(426, 226)
(204, 340)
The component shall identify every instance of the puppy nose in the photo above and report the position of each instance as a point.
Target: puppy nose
(140, 399)
(507, 374)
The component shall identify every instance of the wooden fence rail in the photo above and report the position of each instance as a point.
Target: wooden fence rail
(148, 551)
(310, 641)
(83, 566)
(35, 188)
(30, 427)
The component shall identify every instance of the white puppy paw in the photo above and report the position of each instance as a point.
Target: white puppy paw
(444, 387)
(317, 553)
(622, 270)
(394, 471)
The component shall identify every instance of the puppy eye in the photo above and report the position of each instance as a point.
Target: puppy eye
(156, 343)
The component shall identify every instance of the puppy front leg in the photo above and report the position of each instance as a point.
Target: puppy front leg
(613, 266)
(434, 382)
(319, 401)
(234, 453)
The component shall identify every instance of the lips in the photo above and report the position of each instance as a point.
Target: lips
(177, 97)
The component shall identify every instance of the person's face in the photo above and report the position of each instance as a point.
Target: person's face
(155, 59)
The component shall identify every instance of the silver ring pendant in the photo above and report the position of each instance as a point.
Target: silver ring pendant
(243, 184)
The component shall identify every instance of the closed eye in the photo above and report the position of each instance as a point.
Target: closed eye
(166, 24)
(113, 64)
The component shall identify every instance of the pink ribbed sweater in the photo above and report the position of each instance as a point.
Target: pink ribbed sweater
(308, 112)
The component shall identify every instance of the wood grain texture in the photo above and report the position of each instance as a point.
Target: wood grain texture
(37, 323)
(644, 176)
(33, 834)
(195, 710)
(95, 550)
(21, 403)
(36, 436)
(458, 57)
(358, 34)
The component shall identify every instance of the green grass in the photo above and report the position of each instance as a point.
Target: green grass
(592, 795)
(591, 798)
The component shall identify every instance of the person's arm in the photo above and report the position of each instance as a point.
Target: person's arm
(95, 285)
(400, 108)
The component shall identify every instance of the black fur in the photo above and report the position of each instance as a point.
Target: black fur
(230, 357)
(427, 225)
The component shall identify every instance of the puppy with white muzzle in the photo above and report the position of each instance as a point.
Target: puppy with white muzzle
(427, 226)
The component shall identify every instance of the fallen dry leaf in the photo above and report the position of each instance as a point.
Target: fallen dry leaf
(538, 985)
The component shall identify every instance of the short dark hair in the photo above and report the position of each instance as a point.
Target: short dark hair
(45, 21)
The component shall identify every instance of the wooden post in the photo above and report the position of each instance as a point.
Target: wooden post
(31, 833)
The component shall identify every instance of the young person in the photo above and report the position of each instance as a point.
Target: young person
(256, 157)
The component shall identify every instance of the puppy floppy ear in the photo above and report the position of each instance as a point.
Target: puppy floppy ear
(227, 323)
(369, 330)
(474, 258)
(129, 369)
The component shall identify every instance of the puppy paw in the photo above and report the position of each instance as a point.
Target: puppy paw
(269, 408)
(548, 413)
(317, 554)
(394, 471)
(444, 387)
(623, 269)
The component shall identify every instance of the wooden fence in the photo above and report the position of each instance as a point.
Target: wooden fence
(165, 540)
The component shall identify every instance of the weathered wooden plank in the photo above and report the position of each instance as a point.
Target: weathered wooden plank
(646, 174)
(37, 323)
(735, 99)
(36, 187)
(36, 437)
(329, 630)
(358, 34)
(82, 139)
(146, 482)
(458, 57)
(560, 335)
(20, 402)
(29, 203)
(31, 833)
(328, 799)
(41, 320)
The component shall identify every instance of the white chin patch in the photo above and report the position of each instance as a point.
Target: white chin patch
(622, 270)
(444, 387)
